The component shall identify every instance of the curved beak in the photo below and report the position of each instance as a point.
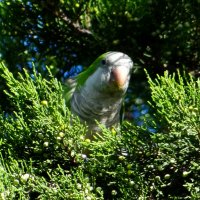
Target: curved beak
(120, 75)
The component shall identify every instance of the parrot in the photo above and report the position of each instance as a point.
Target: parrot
(96, 94)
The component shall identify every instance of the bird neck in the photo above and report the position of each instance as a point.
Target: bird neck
(91, 107)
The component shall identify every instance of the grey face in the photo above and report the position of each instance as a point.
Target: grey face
(113, 74)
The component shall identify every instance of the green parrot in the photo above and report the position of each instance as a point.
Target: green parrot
(96, 94)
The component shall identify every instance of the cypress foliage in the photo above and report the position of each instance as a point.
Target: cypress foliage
(43, 145)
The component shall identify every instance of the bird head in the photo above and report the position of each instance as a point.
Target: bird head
(109, 74)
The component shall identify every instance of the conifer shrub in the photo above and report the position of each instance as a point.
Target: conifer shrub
(43, 145)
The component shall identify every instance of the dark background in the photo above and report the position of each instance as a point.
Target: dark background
(157, 35)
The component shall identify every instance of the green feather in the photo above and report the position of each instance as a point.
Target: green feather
(82, 77)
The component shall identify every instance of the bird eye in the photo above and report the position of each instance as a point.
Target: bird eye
(103, 62)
